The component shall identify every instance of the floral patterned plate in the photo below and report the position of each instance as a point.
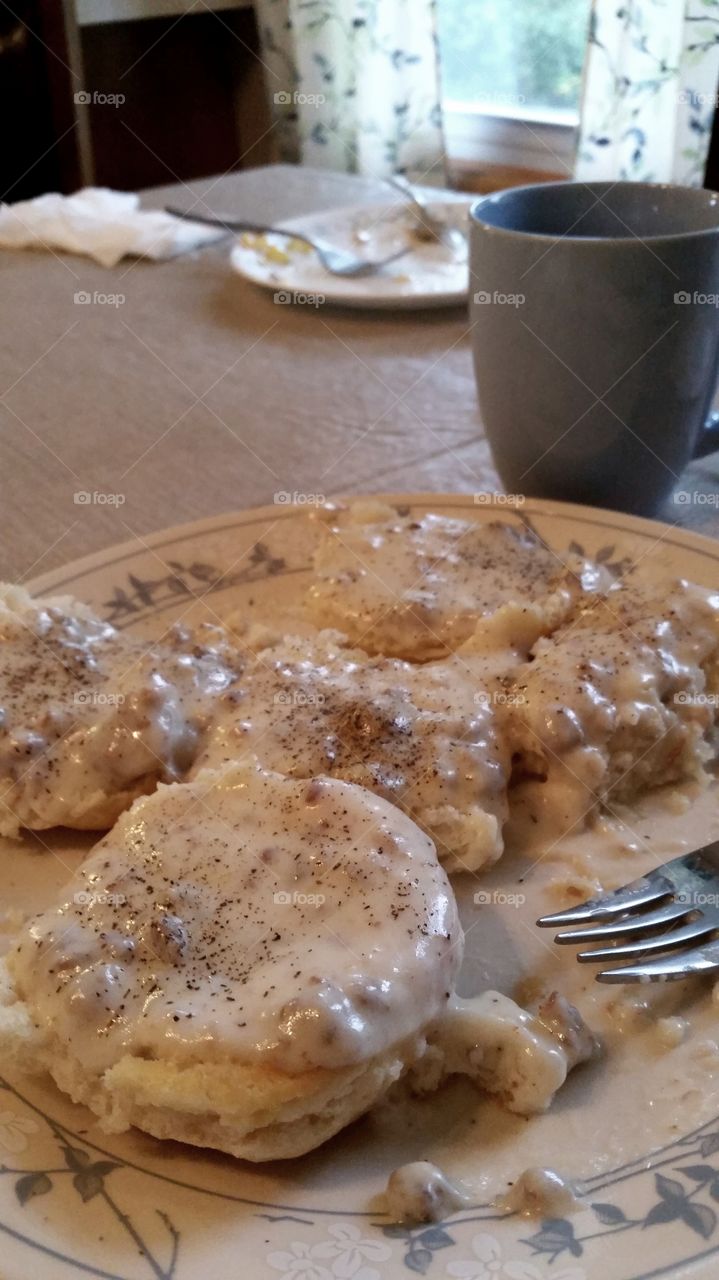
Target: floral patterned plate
(74, 1201)
(430, 275)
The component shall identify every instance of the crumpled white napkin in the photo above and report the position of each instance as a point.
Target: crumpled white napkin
(102, 224)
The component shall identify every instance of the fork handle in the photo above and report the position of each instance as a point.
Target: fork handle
(400, 183)
(232, 224)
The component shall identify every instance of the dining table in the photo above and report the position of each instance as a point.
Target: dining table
(149, 395)
(181, 390)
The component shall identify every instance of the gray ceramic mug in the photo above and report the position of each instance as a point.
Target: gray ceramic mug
(596, 337)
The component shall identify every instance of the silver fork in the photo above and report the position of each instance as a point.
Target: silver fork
(428, 226)
(673, 910)
(336, 261)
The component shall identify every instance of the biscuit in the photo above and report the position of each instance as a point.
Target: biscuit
(245, 962)
(425, 737)
(418, 587)
(91, 717)
(620, 700)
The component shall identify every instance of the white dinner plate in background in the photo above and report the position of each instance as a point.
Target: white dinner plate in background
(430, 275)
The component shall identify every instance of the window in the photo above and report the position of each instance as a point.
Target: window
(512, 73)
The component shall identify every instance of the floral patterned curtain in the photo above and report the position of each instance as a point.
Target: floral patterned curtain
(354, 84)
(650, 90)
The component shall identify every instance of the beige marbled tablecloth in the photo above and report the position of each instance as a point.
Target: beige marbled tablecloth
(198, 394)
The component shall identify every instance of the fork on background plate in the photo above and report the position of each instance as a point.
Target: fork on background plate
(339, 262)
(667, 922)
(428, 226)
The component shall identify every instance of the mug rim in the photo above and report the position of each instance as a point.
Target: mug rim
(562, 184)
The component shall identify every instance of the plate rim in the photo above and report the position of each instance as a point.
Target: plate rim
(685, 539)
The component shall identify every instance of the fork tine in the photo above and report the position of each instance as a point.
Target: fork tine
(665, 942)
(640, 893)
(633, 924)
(703, 959)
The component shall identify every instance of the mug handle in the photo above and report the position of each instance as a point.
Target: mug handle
(708, 441)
